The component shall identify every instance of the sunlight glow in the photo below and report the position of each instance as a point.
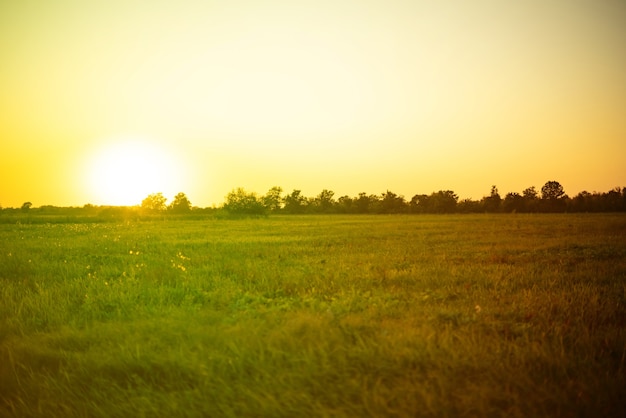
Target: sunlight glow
(128, 170)
(408, 96)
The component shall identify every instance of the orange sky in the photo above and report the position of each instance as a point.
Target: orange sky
(104, 102)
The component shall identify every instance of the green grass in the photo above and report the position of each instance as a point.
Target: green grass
(337, 316)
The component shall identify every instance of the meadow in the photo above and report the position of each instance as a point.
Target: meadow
(316, 316)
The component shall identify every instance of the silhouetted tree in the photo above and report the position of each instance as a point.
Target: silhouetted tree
(419, 203)
(531, 198)
(345, 204)
(553, 197)
(613, 200)
(492, 202)
(513, 202)
(530, 193)
(444, 201)
(552, 190)
(273, 200)
(26, 206)
(365, 203)
(392, 203)
(154, 202)
(324, 201)
(583, 202)
(295, 202)
(469, 206)
(241, 202)
(180, 204)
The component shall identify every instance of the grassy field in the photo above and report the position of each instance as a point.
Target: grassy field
(336, 316)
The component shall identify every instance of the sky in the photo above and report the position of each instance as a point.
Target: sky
(105, 102)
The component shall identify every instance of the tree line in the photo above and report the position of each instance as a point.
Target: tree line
(550, 198)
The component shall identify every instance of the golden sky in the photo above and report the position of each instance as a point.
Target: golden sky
(104, 102)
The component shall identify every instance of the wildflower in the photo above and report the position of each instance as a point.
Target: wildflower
(181, 256)
(178, 266)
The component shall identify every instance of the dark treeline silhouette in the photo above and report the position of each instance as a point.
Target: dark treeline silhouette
(240, 202)
(551, 198)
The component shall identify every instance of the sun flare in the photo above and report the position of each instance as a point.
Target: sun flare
(126, 171)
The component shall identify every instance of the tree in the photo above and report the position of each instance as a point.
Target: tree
(444, 201)
(552, 190)
(531, 197)
(345, 204)
(365, 203)
(583, 202)
(513, 202)
(419, 203)
(553, 197)
(295, 202)
(241, 202)
(180, 204)
(392, 203)
(613, 200)
(26, 206)
(493, 201)
(273, 200)
(469, 206)
(530, 193)
(154, 202)
(324, 201)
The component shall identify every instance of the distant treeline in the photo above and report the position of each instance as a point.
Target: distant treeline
(240, 202)
(551, 198)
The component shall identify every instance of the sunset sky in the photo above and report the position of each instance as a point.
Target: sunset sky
(104, 102)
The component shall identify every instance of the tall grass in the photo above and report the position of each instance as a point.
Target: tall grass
(435, 316)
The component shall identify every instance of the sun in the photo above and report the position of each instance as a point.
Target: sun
(124, 171)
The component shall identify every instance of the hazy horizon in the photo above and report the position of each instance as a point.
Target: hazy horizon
(105, 103)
